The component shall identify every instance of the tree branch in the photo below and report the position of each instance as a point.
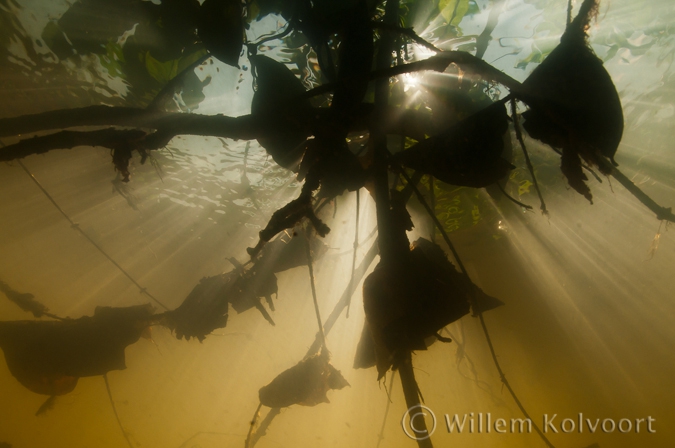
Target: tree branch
(109, 138)
(438, 63)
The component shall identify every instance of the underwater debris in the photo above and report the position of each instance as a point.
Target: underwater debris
(24, 301)
(574, 104)
(306, 383)
(49, 357)
(410, 301)
(205, 309)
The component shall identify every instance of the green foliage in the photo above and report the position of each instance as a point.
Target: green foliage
(453, 11)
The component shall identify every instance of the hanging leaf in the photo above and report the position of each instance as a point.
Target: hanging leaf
(411, 300)
(574, 104)
(49, 357)
(305, 384)
(275, 101)
(206, 308)
(467, 154)
(221, 29)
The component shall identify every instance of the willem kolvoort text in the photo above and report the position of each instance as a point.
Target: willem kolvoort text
(485, 423)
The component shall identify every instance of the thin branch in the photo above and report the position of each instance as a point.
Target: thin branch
(314, 297)
(662, 213)
(109, 138)
(114, 408)
(359, 273)
(512, 199)
(437, 63)
(245, 127)
(380, 438)
(76, 226)
(355, 247)
(519, 136)
(409, 32)
(251, 430)
(508, 385)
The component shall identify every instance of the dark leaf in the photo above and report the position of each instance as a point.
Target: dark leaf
(221, 29)
(49, 357)
(574, 104)
(305, 384)
(275, 102)
(467, 154)
(411, 300)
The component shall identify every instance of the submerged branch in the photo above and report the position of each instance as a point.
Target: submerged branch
(438, 63)
(662, 213)
(109, 138)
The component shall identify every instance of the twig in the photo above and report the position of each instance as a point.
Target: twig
(76, 226)
(314, 298)
(409, 32)
(519, 136)
(346, 296)
(114, 408)
(512, 199)
(506, 382)
(662, 213)
(251, 430)
(264, 425)
(356, 246)
(380, 438)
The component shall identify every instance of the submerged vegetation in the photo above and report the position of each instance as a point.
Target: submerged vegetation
(347, 131)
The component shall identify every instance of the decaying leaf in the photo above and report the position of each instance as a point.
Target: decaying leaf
(206, 307)
(306, 383)
(221, 29)
(574, 104)
(467, 154)
(49, 357)
(410, 301)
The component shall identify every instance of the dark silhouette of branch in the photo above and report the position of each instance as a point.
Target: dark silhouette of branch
(409, 32)
(109, 138)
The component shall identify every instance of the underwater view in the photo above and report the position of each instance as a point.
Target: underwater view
(337, 223)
